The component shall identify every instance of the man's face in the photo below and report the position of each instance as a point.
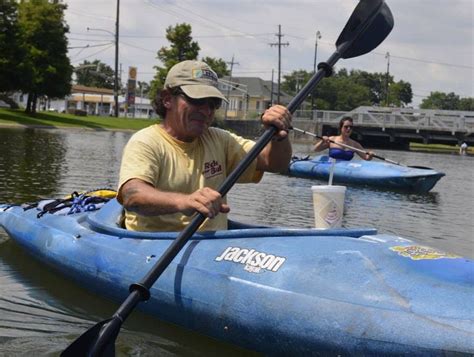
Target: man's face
(189, 118)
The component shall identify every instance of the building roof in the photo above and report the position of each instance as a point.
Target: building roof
(77, 88)
(255, 87)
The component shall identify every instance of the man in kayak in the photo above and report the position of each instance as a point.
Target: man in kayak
(173, 169)
(338, 152)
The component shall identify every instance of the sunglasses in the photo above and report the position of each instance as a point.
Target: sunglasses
(213, 103)
(349, 127)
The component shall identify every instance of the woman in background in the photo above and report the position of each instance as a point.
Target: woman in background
(338, 152)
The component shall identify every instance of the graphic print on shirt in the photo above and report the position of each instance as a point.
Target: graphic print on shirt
(212, 169)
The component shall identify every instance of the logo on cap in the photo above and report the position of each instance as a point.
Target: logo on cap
(202, 73)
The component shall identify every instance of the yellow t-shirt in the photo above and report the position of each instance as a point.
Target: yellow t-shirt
(168, 164)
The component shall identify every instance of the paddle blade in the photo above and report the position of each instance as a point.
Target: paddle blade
(368, 26)
(86, 344)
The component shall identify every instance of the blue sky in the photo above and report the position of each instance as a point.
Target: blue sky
(431, 45)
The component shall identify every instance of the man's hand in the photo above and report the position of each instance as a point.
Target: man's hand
(206, 201)
(279, 117)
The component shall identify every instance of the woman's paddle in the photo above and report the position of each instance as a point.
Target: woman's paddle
(348, 147)
(367, 27)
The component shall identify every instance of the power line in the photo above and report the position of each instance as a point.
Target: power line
(195, 18)
(88, 46)
(137, 47)
(95, 53)
(426, 61)
(433, 62)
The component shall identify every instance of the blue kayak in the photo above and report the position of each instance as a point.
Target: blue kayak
(277, 291)
(370, 173)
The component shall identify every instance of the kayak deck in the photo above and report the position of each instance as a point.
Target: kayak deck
(369, 173)
(273, 290)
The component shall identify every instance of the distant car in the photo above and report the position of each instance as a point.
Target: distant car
(54, 110)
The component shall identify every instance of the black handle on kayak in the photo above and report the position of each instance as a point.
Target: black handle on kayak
(369, 24)
(348, 146)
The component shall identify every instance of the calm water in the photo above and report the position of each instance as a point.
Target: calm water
(41, 313)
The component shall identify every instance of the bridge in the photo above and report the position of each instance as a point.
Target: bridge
(392, 127)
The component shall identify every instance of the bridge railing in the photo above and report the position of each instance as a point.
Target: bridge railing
(400, 118)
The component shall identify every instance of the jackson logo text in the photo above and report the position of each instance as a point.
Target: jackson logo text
(252, 260)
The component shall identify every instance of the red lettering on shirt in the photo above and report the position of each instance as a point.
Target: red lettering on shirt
(212, 169)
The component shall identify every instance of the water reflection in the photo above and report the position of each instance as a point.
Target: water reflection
(31, 163)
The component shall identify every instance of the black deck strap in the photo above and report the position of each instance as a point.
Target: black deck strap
(142, 289)
(53, 210)
(328, 71)
(54, 204)
(28, 206)
(8, 206)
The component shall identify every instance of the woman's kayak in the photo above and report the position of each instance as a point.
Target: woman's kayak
(277, 291)
(370, 173)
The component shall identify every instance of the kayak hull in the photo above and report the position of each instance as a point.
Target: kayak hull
(370, 173)
(272, 290)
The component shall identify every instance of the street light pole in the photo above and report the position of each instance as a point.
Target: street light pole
(229, 87)
(116, 74)
(318, 36)
(387, 56)
(116, 83)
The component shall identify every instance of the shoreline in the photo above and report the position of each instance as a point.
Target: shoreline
(414, 147)
(59, 127)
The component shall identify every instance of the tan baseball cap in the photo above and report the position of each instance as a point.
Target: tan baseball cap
(196, 79)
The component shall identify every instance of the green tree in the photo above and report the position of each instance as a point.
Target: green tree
(376, 82)
(12, 71)
(440, 100)
(143, 88)
(466, 104)
(44, 35)
(293, 82)
(339, 92)
(347, 90)
(400, 93)
(350, 95)
(218, 65)
(95, 74)
(182, 47)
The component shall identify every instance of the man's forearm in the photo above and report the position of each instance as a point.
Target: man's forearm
(142, 198)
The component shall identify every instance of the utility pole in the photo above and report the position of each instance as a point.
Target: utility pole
(116, 82)
(229, 85)
(279, 44)
(387, 56)
(271, 94)
(318, 36)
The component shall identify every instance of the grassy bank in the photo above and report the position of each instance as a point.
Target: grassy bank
(438, 148)
(56, 120)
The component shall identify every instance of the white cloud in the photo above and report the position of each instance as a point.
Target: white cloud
(431, 45)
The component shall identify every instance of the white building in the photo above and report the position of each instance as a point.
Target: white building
(91, 101)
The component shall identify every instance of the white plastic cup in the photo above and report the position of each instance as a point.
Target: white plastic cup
(328, 204)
